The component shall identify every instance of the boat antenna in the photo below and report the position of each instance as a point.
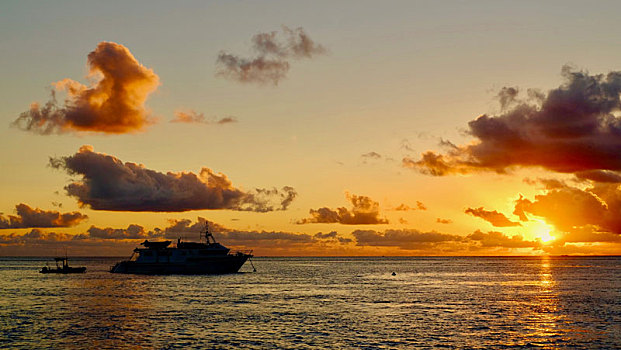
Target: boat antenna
(207, 233)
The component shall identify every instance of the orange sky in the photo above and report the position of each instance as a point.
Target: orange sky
(347, 128)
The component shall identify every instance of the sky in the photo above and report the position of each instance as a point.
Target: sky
(323, 128)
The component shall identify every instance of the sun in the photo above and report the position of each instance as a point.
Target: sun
(542, 230)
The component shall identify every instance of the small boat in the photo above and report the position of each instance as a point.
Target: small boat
(63, 268)
(198, 258)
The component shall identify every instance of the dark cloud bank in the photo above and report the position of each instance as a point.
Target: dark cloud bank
(275, 51)
(107, 183)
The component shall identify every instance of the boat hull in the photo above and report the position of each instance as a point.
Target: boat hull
(203, 266)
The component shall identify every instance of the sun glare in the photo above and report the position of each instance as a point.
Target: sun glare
(542, 231)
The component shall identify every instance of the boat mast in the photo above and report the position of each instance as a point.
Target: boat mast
(207, 234)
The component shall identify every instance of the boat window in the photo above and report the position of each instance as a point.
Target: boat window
(148, 253)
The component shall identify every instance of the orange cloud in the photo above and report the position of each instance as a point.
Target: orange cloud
(114, 104)
(364, 211)
(28, 217)
(593, 209)
(109, 184)
(405, 207)
(192, 117)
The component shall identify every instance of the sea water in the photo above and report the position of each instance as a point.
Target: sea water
(319, 303)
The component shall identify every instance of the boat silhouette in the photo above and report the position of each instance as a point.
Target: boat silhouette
(63, 267)
(206, 257)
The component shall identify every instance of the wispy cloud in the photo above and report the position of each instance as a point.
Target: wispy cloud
(113, 104)
(275, 50)
(192, 117)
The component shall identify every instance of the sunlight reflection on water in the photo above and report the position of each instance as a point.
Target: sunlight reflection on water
(320, 303)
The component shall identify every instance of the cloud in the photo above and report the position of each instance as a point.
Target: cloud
(320, 235)
(191, 117)
(113, 104)
(372, 155)
(444, 221)
(106, 183)
(500, 240)
(569, 209)
(274, 52)
(364, 211)
(250, 239)
(493, 217)
(573, 128)
(435, 242)
(599, 176)
(404, 239)
(548, 184)
(35, 236)
(133, 231)
(405, 207)
(28, 217)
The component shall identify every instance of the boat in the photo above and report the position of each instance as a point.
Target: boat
(190, 258)
(63, 267)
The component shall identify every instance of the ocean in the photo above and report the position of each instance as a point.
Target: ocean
(319, 303)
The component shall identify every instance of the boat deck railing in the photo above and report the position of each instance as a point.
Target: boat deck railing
(241, 252)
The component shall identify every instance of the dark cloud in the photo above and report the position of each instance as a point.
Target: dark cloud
(372, 155)
(405, 207)
(404, 239)
(275, 51)
(28, 217)
(106, 183)
(444, 221)
(320, 235)
(364, 211)
(133, 231)
(114, 104)
(249, 239)
(599, 176)
(433, 242)
(493, 217)
(191, 117)
(573, 128)
(35, 236)
(500, 240)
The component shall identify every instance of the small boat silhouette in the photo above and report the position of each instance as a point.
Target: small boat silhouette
(63, 268)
